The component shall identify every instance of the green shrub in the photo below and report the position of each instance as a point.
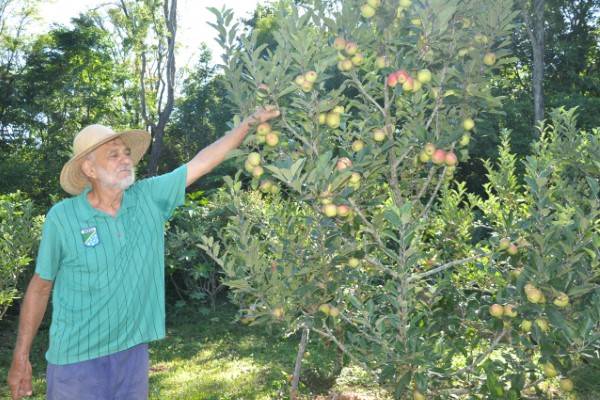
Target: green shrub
(19, 235)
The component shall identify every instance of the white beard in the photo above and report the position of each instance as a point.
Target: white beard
(112, 182)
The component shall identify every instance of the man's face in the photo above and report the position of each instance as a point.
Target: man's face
(111, 165)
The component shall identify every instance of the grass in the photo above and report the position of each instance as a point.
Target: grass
(205, 356)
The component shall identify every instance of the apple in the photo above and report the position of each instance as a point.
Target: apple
(345, 65)
(481, 39)
(277, 312)
(496, 310)
(343, 163)
(334, 311)
(338, 109)
(381, 62)
(263, 128)
(367, 11)
(450, 159)
(392, 79)
(358, 59)
(306, 86)
(438, 157)
(275, 189)
(322, 118)
(265, 186)
(324, 308)
(330, 210)
(561, 300)
(549, 370)
(339, 43)
(378, 135)
(465, 139)
(343, 210)
(248, 167)
(253, 159)
(566, 385)
(311, 76)
(468, 124)
(542, 324)
(424, 157)
(417, 85)
(534, 296)
(418, 395)
(332, 120)
(353, 262)
(512, 249)
(424, 76)
(463, 52)
(260, 139)
(509, 311)
(504, 243)
(374, 3)
(489, 59)
(355, 178)
(526, 326)
(351, 48)
(416, 21)
(257, 171)
(402, 76)
(408, 85)
(358, 145)
(429, 149)
(272, 138)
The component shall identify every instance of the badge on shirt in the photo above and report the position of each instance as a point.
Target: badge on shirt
(90, 236)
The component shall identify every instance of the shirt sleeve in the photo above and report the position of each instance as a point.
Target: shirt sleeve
(49, 253)
(167, 191)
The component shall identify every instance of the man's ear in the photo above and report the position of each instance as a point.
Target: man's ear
(88, 169)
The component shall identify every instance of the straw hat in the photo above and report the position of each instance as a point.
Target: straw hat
(72, 179)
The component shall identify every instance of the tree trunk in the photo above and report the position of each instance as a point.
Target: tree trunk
(158, 131)
(299, 356)
(536, 34)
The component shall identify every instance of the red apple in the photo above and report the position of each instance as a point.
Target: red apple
(343, 163)
(438, 157)
(451, 159)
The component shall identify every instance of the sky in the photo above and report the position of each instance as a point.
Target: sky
(192, 18)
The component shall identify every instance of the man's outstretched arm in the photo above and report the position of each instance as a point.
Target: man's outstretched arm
(32, 312)
(213, 154)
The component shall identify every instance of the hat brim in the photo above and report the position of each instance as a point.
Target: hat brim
(72, 178)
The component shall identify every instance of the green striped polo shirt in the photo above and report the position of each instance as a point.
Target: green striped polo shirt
(108, 272)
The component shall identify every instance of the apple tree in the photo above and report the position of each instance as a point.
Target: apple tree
(374, 247)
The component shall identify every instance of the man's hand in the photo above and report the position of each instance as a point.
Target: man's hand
(263, 115)
(19, 377)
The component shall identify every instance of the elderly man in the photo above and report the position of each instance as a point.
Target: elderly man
(102, 257)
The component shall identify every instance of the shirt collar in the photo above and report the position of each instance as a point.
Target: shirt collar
(89, 212)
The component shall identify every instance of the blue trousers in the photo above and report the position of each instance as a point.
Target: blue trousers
(119, 376)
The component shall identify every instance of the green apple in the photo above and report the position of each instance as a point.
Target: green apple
(566, 385)
(496, 310)
(357, 145)
(381, 62)
(324, 308)
(429, 149)
(351, 48)
(542, 324)
(311, 76)
(405, 3)
(333, 120)
(355, 178)
(561, 300)
(424, 157)
(550, 370)
(322, 118)
(465, 139)
(509, 311)
(504, 243)
(330, 210)
(253, 159)
(418, 395)
(272, 138)
(374, 3)
(357, 59)
(424, 76)
(378, 135)
(257, 171)
(468, 124)
(353, 262)
(489, 59)
(345, 65)
(265, 186)
(263, 128)
(367, 11)
(526, 326)
(338, 109)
